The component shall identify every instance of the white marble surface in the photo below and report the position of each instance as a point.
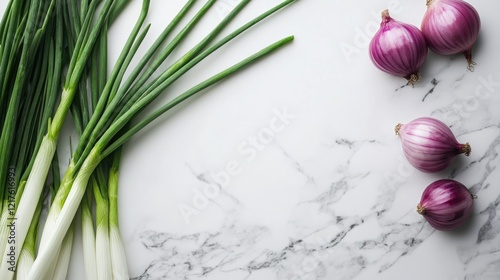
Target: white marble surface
(330, 195)
(292, 170)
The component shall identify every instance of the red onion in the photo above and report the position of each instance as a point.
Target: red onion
(429, 144)
(446, 204)
(451, 27)
(398, 48)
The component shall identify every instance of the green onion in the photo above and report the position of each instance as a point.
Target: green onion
(36, 43)
(118, 258)
(106, 111)
(103, 256)
(43, 158)
(61, 267)
(27, 256)
(88, 237)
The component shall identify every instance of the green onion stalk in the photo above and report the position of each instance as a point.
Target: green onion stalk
(24, 70)
(118, 257)
(28, 252)
(45, 151)
(88, 237)
(80, 123)
(97, 259)
(61, 268)
(104, 256)
(28, 99)
(103, 252)
(97, 83)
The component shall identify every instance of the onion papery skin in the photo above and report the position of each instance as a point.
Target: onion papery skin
(429, 144)
(446, 204)
(451, 27)
(398, 48)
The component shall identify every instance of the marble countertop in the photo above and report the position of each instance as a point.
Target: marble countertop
(291, 169)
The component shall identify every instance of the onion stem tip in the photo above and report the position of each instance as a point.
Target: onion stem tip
(470, 65)
(413, 79)
(385, 13)
(466, 149)
(470, 62)
(420, 209)
(397, 128)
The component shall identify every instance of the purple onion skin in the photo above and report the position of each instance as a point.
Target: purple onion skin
(451, 27)
(429, 144)
(398, 49)
(446, 204)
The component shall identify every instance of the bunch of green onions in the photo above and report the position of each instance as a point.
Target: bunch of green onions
(46, 44)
